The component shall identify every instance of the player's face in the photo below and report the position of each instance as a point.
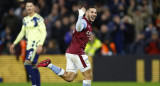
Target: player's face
(29, 7)
(92, 14)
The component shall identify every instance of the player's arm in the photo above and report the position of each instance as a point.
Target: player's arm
(42, 31)
(43, 34)
(19, 37)
(81, 23)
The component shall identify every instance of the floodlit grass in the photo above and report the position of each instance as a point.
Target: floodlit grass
(80, 84)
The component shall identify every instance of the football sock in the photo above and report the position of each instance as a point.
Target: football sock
(37, 74)
(86, 82)
(57, 70)
(31, 73)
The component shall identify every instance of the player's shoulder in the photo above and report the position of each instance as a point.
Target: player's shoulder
(40, 18)
(84, 21)
(25, 18)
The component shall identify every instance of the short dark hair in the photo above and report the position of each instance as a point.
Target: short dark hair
(30, 1)
(87, 8)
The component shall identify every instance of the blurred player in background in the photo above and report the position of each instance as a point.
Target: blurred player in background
(76, 57)
(35, 31)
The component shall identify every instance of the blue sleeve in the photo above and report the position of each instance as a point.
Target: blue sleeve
(81, 24)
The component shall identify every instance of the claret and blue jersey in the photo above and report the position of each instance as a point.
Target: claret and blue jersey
(80, 36)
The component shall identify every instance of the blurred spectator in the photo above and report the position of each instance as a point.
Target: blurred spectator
(148, 30)
(52, 17)
(37, 10)
(52, 47)
(120, 10)
(118, 29)
(72, 19)
(104, 33)
(108, 48)
(129, 34)
(154, 44)
(158, 22)
(6, 36)
(44, 9)
(114, 5)
(23, 49)
(112, 22)
(6, 50)
(5, 39)
(156, 7)
(74, 8)
(68, 35)
(57, 30)
(138, 46)
(105, 17)
(11, 21)
(147, 5)
(93, 45)
(23, 14)
(19, 10)
(138, 17)
(58, 34)
(65, 24)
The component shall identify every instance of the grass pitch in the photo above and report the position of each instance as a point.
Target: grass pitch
(80, 84)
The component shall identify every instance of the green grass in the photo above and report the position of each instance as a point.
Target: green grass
(80, 84)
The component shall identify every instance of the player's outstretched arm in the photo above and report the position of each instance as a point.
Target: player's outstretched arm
(80, 25)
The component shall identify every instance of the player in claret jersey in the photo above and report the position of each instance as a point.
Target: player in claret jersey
(76, 57)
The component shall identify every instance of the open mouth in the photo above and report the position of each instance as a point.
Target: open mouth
(93, 18)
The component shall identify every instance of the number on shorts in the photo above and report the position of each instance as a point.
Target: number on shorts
(30, 55)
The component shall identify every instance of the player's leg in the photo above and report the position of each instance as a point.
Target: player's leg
(84, 66)
(30, 71)
(37, 74)
(87, 77)
(29, 65)
(71, 69)
(67, 75)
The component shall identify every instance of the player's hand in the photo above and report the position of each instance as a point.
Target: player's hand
(39, 49)
(82, 11)
(12, 48)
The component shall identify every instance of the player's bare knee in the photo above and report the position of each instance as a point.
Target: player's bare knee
(69, 76)
(70, 79)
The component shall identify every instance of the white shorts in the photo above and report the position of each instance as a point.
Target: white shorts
(75, 62)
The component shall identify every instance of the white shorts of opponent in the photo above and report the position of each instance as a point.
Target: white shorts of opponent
(75, 62)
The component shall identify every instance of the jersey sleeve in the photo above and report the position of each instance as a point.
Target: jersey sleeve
(81, 24)
(21, 34)
(43, 31)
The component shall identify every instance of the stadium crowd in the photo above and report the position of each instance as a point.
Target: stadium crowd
(121, 27)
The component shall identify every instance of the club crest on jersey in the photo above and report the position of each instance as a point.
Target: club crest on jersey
(88, 33)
